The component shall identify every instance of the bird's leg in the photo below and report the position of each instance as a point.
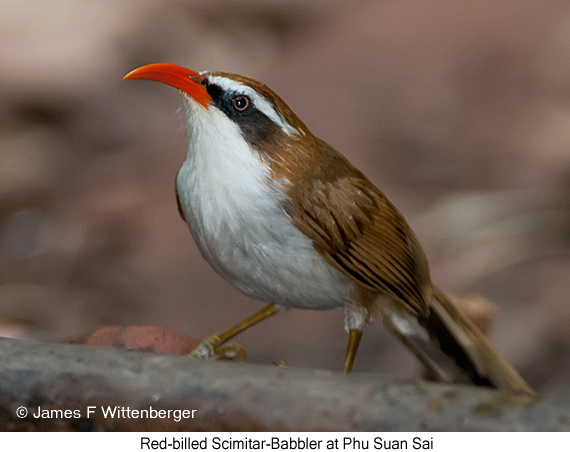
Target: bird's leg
(356, 317)
(354, 336)
(215, 346)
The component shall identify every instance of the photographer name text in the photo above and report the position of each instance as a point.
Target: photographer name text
(115, 412)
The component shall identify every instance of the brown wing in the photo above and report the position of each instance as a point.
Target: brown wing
(361, 233)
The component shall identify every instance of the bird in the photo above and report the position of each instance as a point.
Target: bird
(288, 220)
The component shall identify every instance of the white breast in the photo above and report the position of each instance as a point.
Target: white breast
(237, 221)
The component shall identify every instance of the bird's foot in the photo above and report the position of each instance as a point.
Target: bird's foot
(211, 348)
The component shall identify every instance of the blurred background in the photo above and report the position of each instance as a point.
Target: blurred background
(458, 111)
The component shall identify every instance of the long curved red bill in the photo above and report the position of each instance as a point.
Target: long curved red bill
(176, 76)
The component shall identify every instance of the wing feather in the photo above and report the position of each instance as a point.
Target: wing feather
(359, 232)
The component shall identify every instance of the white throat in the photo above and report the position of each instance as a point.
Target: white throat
(236, 217)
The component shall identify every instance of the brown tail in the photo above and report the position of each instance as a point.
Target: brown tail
(452, 348)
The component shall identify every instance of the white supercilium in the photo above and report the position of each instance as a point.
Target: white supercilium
(259, 101)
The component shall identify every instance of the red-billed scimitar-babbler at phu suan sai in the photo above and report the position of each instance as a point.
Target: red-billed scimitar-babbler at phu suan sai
(289, 221)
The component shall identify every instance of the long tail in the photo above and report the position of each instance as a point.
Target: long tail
(452, 348)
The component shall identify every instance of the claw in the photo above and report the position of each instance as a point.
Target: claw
(216, 346)
(209, 349)
(205, 350)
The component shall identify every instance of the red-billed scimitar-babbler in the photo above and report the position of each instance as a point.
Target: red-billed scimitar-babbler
(288, 220)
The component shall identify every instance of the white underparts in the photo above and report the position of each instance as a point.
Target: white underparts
(235, 216)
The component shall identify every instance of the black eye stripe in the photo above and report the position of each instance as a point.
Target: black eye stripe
(215, 91)
(227, 101)
(257, 129)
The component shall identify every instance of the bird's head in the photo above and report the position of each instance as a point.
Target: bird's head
(221, 101)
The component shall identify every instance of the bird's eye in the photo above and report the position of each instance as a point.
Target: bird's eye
(241, 103)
